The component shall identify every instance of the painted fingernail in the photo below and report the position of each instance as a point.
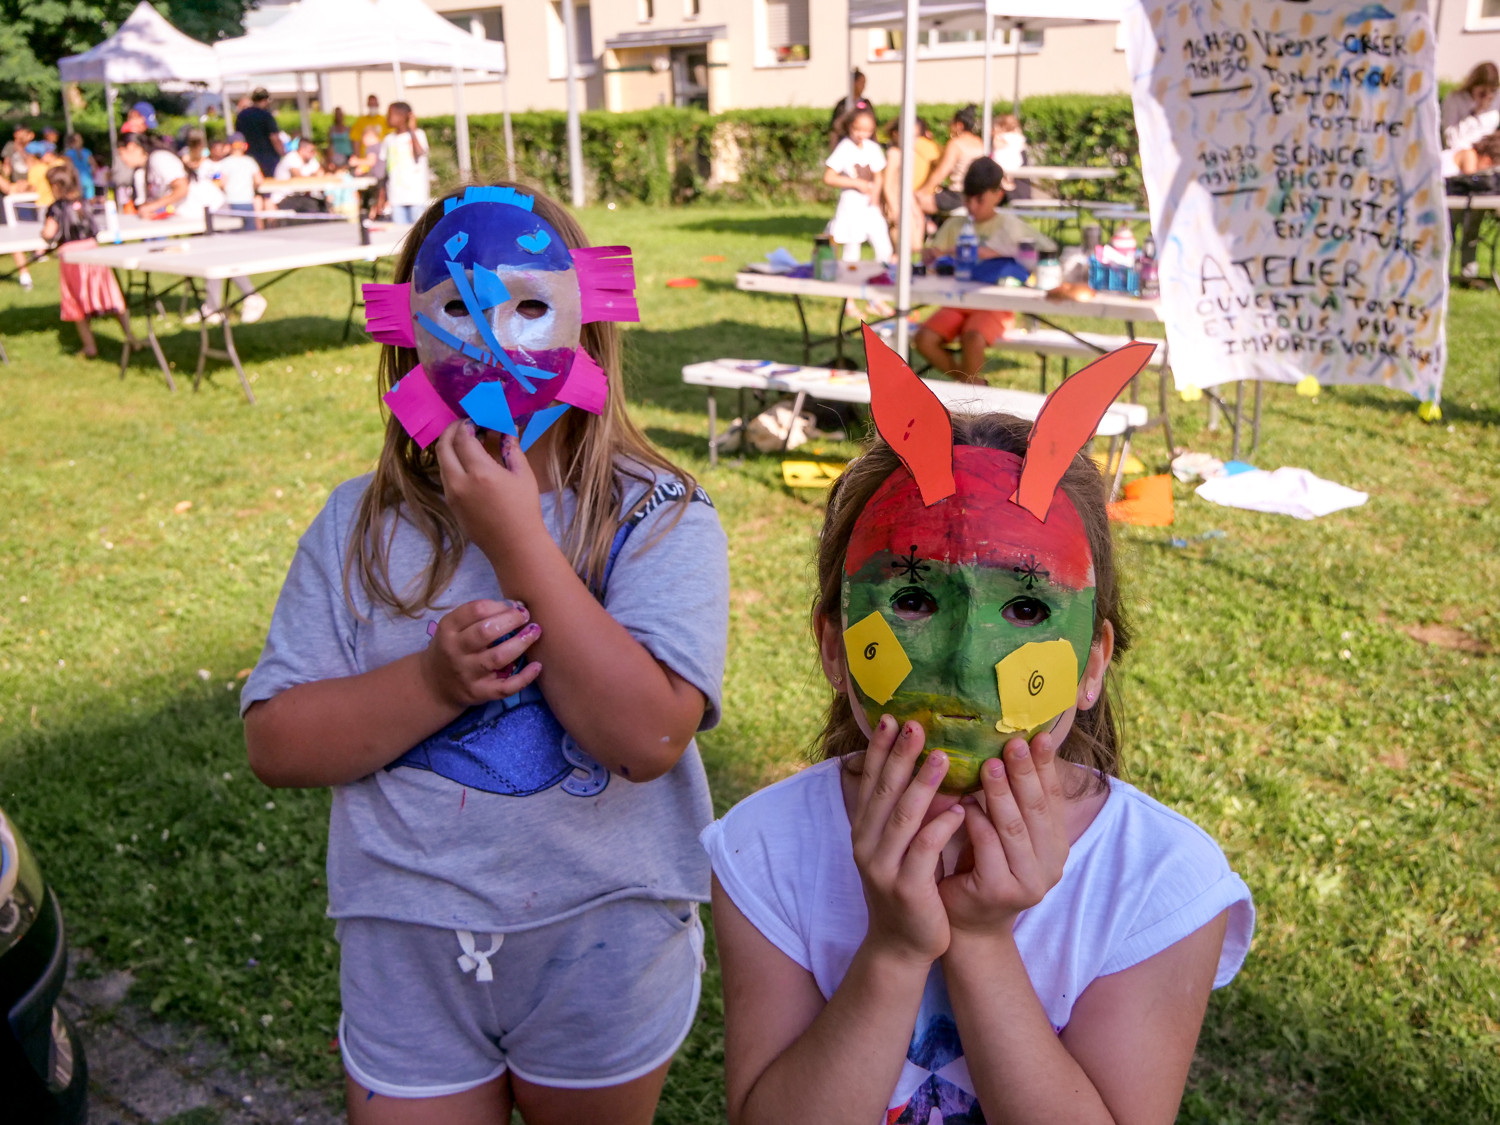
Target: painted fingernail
(884, 724)
(531, 630)
(937, 763)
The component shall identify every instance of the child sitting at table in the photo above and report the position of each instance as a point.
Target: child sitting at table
(1000, 236)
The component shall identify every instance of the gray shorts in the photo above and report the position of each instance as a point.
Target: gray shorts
(595, 1000)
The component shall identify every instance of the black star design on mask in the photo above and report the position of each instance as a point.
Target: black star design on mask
(1031, 573)
(910, 566)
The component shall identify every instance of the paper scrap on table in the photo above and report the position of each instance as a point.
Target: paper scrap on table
(875, 657)
(1287, 491)
(1038, 682)
(809, 474)
(783, 258)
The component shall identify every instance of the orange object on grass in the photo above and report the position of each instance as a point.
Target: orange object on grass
(1147, 503)
(682, 283)
(713, 257)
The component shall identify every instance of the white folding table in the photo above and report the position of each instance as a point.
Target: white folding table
(214, 259)
(1460, 207)
(824, 384)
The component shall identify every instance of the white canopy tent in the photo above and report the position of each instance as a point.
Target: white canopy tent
(324, 35)
(912, 16)
(146, 48)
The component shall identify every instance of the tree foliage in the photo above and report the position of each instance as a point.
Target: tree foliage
(34, 34)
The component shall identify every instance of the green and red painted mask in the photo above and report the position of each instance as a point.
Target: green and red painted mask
(968, 590)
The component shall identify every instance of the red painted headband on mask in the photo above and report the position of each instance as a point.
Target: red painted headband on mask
(917, 427)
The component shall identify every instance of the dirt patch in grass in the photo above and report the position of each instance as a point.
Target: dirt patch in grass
(1448, 636)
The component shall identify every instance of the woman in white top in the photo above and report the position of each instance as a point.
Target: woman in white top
(1470, 112)
(1040, 951)
(403, 152)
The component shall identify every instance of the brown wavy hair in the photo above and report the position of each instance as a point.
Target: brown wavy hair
(593, 455)
(1094, 741)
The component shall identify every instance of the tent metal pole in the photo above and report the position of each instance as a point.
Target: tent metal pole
(304, 118)
(989, 93)
(67, 114)
(400, 81)
(575, 135)
(1015, 97)
(510, 140)
(109, 112)
(228, 107)
(908, 186)
(359, 91)
(461, 122)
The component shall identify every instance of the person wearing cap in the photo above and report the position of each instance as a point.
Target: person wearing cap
(262, 134)
(139, 118)
(50, 138)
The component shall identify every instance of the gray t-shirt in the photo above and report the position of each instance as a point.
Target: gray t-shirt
(500, 822)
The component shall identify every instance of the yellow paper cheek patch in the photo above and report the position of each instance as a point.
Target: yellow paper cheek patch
(876, 659)
(1038, 682)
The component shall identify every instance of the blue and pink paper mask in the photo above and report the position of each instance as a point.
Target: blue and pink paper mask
(495, 311)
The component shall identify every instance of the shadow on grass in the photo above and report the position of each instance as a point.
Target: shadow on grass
(767, 226)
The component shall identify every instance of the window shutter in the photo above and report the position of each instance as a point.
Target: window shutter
(786, 23)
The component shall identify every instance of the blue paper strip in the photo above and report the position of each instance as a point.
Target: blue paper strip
(540, 421)
(487, 406)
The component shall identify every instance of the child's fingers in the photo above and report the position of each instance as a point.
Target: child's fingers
(905, 820)
(891, 779)
(491, 688)
(448, 462)
(467, 448)
(480, 634)
(881, 740)
(469, 614)
(984, 841)
(1005, 815)
(919, 866)
(503, 655)
(1044, 754)
(1031, 797)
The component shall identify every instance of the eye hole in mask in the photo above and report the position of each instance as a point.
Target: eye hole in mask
(532, 310)
(456, 308)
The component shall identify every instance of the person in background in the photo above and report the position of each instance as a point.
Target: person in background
(13, 155)
(340, 141)
(50, 139)
(239, 176)
(846, 107)
(404, 154)
(1000, 235)
(1470, 112)
(193, 150)
(34, 160)
(261, 133)
(1010, 153)
(208, 167)
(83, 163)
(372, 119)
(84, 291)
(1482, 156)
(300, 161)
(924, 152)
(139, 118)
(963, 148)
(857, 166)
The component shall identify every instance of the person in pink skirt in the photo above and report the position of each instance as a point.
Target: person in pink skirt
(85, 291)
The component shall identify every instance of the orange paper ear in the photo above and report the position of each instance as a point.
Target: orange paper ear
(911, 419)
(1069, 418)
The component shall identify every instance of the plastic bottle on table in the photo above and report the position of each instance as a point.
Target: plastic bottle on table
(1027, 257)
(824, 263)
(966, 252)
(111, 221)
(1148, 270)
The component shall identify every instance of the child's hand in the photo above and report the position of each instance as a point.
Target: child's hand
(494, 495)
(462, 669)
(1016, 850)
(897, 855)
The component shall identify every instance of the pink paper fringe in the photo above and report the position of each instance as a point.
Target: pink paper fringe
(606, 281)
(418, 407)
(586, 387)
(388, 314)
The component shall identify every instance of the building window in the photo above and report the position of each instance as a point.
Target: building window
(583, 57)
(942, 44)
(783, 26)
(692, 9)
(1484, 15)
(645, 10)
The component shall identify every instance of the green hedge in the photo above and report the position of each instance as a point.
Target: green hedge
(663, 156)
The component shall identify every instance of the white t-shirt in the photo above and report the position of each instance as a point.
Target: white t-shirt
(407, 181)
(237, 173)
(1138, 880)
(294, 164)
(862, 161)
(1010, 151)
(163, 168)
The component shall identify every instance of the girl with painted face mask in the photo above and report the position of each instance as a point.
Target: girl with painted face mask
(962, 914)
(496, 649)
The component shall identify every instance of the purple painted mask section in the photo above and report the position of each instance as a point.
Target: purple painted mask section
(456, 375)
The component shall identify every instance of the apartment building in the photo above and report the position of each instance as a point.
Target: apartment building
(732, 54)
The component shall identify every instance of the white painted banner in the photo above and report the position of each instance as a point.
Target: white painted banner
(1290, 151)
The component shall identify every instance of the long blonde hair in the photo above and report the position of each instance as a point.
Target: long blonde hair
(591, 455)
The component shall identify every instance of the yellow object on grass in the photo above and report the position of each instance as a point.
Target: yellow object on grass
(1038, 682)
(876, 659)
(1107, 463)
(810, 474)
(1190, 394)
(1430, 412)
(1308, 386)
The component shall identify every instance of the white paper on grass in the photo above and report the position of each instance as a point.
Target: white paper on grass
(1286, 492)
(1290, 154)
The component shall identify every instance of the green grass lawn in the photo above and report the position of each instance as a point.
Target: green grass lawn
(1276, 695)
